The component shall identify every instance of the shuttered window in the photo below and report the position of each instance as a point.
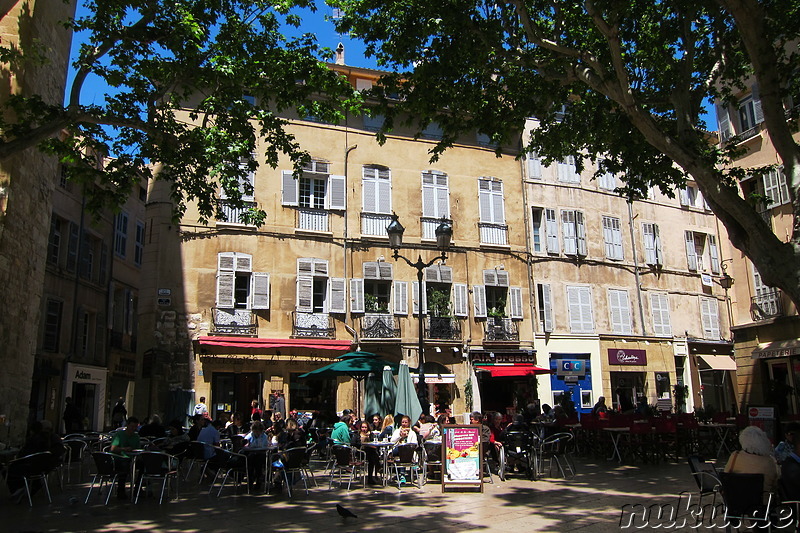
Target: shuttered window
(490, 200)
(546, 320)
(620, 311)
(568, 171)
(400, 297)
(659, 307)
(612, 236)
(237, 285)
(652, 244)
(579, 302)
(709, 314)
(376, 185)
(435, 195)
(551, 227)
(573, 231)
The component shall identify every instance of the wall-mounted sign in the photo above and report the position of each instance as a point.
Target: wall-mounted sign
(488, 357)
(164, 292)
(164, 302)
(618, 356)
(705, 279)
(570, 367)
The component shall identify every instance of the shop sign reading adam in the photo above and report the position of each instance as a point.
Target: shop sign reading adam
(617, 356)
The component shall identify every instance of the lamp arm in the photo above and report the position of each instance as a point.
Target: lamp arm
(419, 264)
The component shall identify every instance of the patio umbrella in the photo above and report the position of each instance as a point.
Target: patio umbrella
(388, 391)
(372, 394)
(407, 402)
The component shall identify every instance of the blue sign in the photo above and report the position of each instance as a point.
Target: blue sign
(571, 367)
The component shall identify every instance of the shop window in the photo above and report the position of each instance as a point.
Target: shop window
(587, 400)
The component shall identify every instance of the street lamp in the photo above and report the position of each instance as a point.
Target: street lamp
(444, 232)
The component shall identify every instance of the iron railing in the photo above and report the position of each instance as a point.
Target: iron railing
(500, 329)
(766, 305)
(443, 328)
(379, 326)
(319, 325)
(241, 322)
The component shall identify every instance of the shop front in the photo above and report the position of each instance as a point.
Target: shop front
(717, 371)
(780, 361)
(86, 385)
(571, 380)
(639, 375)
(506, 379)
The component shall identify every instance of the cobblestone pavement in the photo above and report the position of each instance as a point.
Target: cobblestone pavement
(591, 501)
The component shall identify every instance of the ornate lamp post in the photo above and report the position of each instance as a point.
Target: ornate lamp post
(444, 233)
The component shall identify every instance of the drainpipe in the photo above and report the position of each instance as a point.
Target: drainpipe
(636, 268)
(529, 261)
(348, 318)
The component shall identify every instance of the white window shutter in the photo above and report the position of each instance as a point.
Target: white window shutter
(244, 262)
(385, 271)
(568, 231)
(384, 192)
(580, 233)
(415, 295)
(713, 252)
(442, 197)
(337, 193)
(321, 267)
(709, 314)
(498, 207)
(431, 274)
(225, 285)
(305, 294)
(259, 290)
(479, 301)
(503, 278)
(305, 266)
(290, 189)
(428, 196)
(445, 274)
(247, 177)
(490, 277)
(551, 227)
(337, 295)
(691, 251)
(724, 122)
(357, 295)
(460, 303)
(370, 270)
(485, 200)
(369, 191)
(684, 195)
(534, 166)
(547, 308)
(226, 262)
(758, 114)
(657, 242)
(659, 304)
(573, 305)
(515, 299)
(400, 297)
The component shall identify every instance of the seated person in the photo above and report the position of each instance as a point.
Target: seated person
(177, 439)
(755, 457)
(429, 429)
(387, 428)
(786, 447)
(404, 434)
(210, 436)
(341, 431)
(293, 436)
(198, 423)
(600, 407)
(277, 433)
(790, 471)
(377, 423)
(153, 429)
(124, 441)
(237, 426)
(257, 440)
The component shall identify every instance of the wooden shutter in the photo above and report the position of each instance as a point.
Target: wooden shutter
(244, 262)
(259, 290)
(485, 200)
(431, 274)
(691, 251)
(709, 314)
(659, 305)
(290, 189)
(546, 305)
(384, 192)
(619, 309)
(503, 278)
(400, 297)
(551, 227)
(225, 286)
(580, 233)
(428, 195)
(305, 294)
(415, 295)
(337, 295)
(568, 231)
(490, 277)
(321, 267)
(226, 261)
(515, 301)
(657, 243)
(357, 295)
(758, 114)
(371, 270)
(479, 301)
(724, 122)
(247, 180)
(337, 193)
(534, 166)
(369, 190)
(713, 252)
(460, 302)
(445, 274)
(385, 271)
(442, 196)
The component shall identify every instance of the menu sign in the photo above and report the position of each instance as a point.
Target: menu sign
(617, 356)
(462, 462)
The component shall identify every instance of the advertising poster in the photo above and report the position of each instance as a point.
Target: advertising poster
(462, 457)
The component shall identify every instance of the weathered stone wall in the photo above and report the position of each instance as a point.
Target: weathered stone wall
(26, 184)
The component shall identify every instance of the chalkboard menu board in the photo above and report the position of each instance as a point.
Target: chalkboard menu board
(462, 460)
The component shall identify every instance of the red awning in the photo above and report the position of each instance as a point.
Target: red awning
(501, 371)
(266, 344)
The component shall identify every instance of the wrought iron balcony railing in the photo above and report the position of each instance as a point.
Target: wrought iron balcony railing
(241, 322)
(374, 224)
(379, 326)
(443, 328)
(318, 325)
(500, 329)
(493, 233)
(312, 219)
(766, 305)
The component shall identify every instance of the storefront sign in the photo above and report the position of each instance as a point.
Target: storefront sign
(462, 461)
(570, 367)
(618, 356)
(164, 292)
(764, 418)
(777, 349)
(479, 357)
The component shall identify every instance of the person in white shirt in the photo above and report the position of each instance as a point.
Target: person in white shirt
(201, 408)
(404, 433)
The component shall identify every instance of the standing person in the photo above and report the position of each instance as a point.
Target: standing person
(119, 413)
(255, 410)
(277, 403)
(201, 408)
(125, 441)
(73, 421)
(600, 408)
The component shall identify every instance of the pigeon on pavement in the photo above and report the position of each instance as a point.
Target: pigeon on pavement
(344, 513)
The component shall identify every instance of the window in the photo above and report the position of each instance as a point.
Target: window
(750, 114)
(551, 228)
(316, 292)
(138, 249)
(238, 287)
(568, 171)
(579, 302)
(775, 189)
(432, 131)
(371, 294)
(652, 244)
(492, 215)
(246, 187)
(544, 295)
(709, 314)
(52, 325)
(376, 185)
(607, 181)
(72, 247)
(620, 311)
(87, 256)
(612, 236)
(54, 240)
(435, 202)
(121, 234)
(534, 166)
(723, 122)
(696, 250)
(312, 192)
(574, 232)
(373, 122)
(314, 189)
(536, 234)
(659, 307)
(495, 298)
(691, 197)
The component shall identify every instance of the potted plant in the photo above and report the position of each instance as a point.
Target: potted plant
(373, 305)
(680, 392)
(438, 303)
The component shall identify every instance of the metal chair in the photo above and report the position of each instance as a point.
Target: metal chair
(347, 460)
(407, 458)
(229, 463)
(556, 448)
(744, 498)
(519, 448)
(293, 461)
(34, 467)
(156, 466)
(75, 451)
(432, 458)
(109, 466)
(197, 455)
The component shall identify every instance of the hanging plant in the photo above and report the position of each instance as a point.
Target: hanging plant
(468, 394)
(438, 303)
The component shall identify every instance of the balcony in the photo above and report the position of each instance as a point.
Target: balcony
(380, 326)
(443, 328)
(233, 215)
(429, 226)
(766, 305)
(493, 233)
(374, 224)
(312, 219)
(239, 322)
(500, 329)
(316, 325)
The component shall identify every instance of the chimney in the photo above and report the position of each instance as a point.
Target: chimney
(340, 54)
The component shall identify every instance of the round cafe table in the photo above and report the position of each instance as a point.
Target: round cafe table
(382, 448)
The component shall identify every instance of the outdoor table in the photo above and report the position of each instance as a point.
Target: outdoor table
(6, 456)
(268, 454)
(383, 448)
(132, 455)
(615, 434)
(722, 431)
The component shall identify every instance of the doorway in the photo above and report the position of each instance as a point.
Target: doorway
(233, 392)
(778, 390)
(627, 389)
(84, 398)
